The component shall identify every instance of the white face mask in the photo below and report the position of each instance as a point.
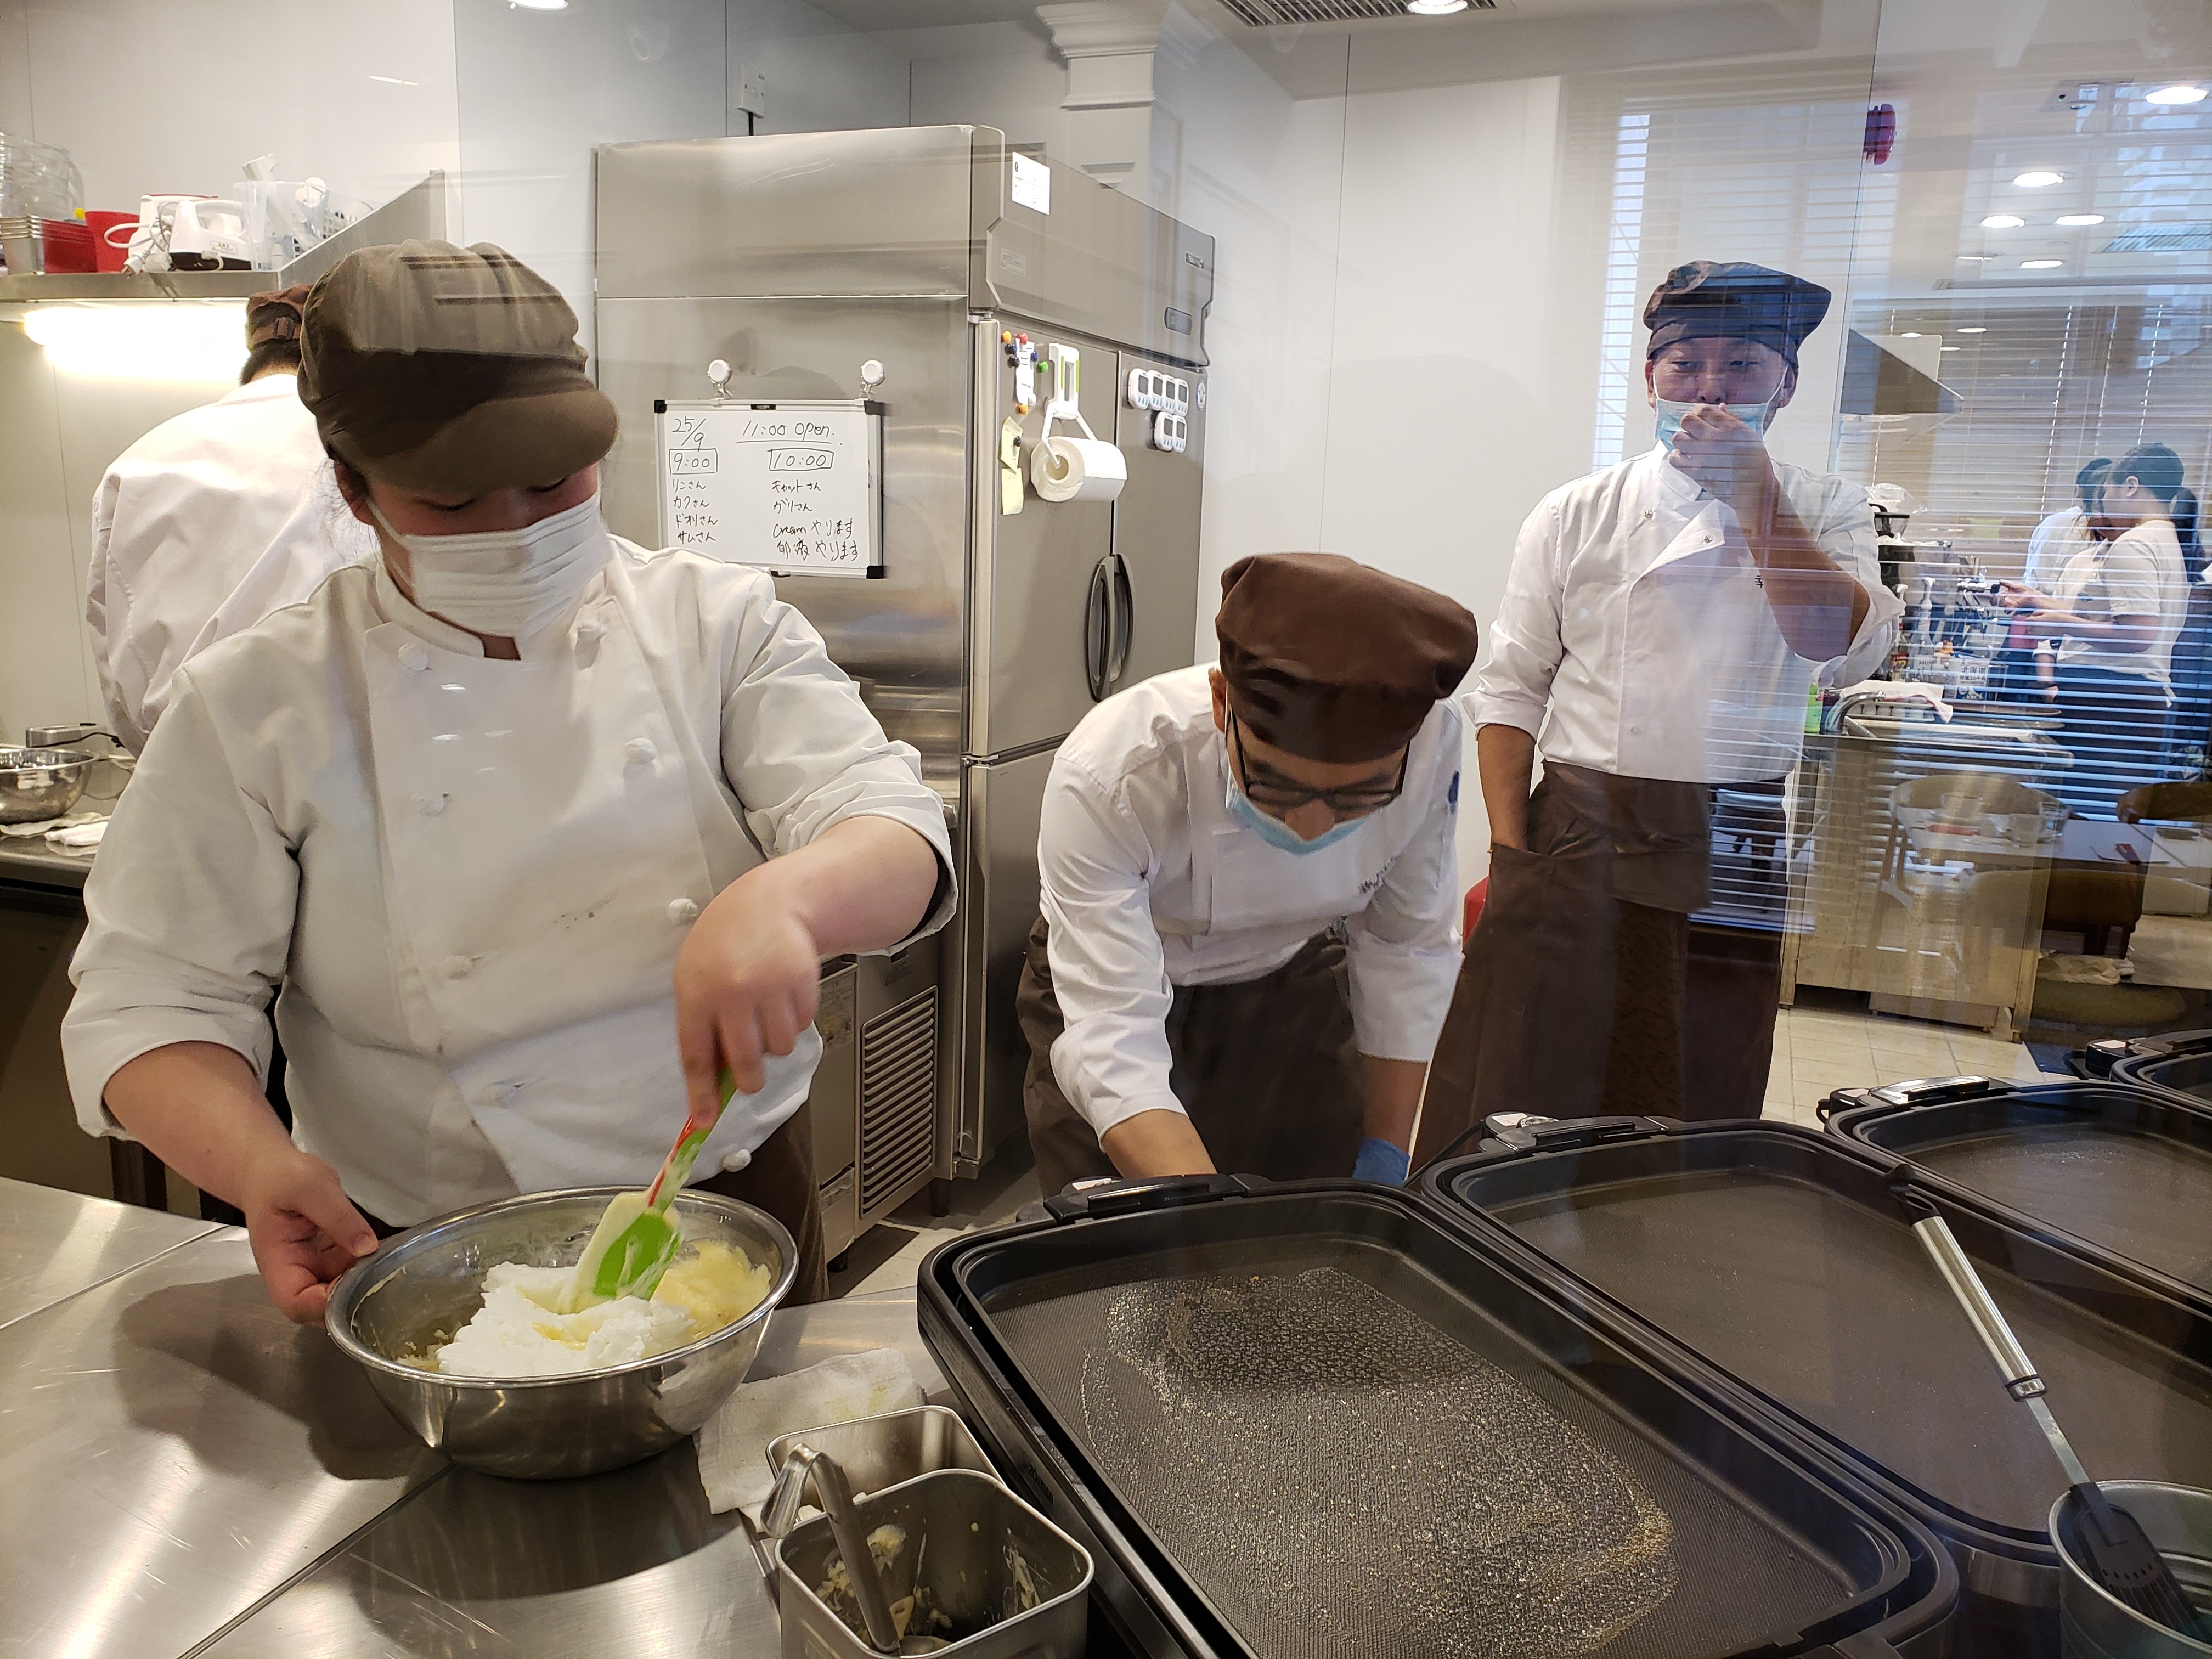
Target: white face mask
(507, 582)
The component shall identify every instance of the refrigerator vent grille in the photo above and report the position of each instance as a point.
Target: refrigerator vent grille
(1275, 13)
(898, 1097)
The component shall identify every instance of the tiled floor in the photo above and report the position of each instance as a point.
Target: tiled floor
(1829, 1041)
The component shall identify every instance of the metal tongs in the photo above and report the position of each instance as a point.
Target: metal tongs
(803, 1466)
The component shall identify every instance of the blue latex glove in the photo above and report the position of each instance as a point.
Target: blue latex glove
(1381, 1162)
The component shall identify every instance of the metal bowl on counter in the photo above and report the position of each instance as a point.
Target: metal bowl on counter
(422, 1286)
(40, 783)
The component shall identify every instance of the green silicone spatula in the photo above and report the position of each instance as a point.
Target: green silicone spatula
(637, 1239)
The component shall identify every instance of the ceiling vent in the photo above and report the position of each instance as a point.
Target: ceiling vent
(1278, 13)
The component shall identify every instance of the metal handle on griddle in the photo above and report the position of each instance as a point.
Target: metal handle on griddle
(2021, 1380)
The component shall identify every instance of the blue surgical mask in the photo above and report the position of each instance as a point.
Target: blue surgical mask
(1755, 415)
(1273, 831)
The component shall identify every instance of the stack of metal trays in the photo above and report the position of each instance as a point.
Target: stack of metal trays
(1327, 1419)
(2125, 1170)
(1780, 1258)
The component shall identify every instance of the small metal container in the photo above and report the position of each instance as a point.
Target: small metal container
(2095, 1624)
(40, 783)
(890, 1449)
(425, 1284)
(966, 1530)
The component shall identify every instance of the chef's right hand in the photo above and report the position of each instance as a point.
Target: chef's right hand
(304, 1230)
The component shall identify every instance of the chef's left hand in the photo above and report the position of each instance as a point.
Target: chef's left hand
(1723, 455)
(748, 979)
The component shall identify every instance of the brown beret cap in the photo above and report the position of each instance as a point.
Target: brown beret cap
(1332, 660)
(1734, 301)
(274, 315)
(445, 369)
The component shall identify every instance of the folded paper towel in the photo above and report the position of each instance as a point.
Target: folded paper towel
(78, 837)
(47, 826)
(733, 1442)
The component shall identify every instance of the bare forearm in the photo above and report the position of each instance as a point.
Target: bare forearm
(1156, 1142)
(2129, 633)
(863, 884)
(1393, 1090)
(1505, 758)
(1817, 604)
(198, 1106)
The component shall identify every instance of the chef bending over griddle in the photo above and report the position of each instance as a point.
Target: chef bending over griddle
(1249, 891)
(530, 831)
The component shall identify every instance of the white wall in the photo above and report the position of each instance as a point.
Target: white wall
(822, 75)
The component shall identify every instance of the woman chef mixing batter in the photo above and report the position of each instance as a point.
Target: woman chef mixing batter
(470, 807)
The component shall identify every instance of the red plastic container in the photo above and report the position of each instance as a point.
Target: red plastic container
(106, 255)
(66, 246)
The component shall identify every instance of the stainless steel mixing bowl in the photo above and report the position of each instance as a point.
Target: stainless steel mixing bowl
(425, 1284)
(40, 783)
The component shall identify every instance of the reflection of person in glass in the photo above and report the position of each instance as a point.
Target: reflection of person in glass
(2028, 659)
(1663, 624)
(2117, 610)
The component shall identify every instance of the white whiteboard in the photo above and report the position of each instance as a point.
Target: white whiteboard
(795, 487)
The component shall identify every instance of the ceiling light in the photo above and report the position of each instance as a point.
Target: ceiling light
(2004, 221)
(2041, 265)
(2038, 179)
(539, 5)
(2183, 94)
(394, 80)
(1973, 331)
(1435, 8)
(162, 341)
(2081, 218)
(1950, 348)
(1978, 256)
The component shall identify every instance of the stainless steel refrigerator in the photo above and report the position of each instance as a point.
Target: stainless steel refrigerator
(934, 255)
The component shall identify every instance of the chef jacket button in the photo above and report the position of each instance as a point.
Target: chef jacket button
(590, 631)
(414, 657)
(683, 911)
(454, 967)
(642, 750)
(430, 805)
(1635, 731)
(733, 1161)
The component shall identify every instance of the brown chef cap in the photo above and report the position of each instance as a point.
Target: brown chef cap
(1734, 301)
(446, 369)
(1329, 660)
(274, 315)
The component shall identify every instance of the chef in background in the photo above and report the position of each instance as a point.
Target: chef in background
(1663, 622)
(1249, 891)
(2119, 607)
(2027, 662)
(187, 524)
(536, 831)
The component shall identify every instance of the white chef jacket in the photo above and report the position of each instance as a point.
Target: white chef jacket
(2140, 574)
(183, 516)
(1635, 638)
(1148, 883)
(470, 877)
(2052, 546)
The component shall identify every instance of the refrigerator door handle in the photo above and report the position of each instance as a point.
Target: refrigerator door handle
(1120, 618)
(1098, 630)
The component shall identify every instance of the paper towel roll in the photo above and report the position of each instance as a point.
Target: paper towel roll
(1078, 469)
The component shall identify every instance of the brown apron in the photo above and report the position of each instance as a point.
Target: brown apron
(1586, 989)
(779, 1180)
(1266, 1069)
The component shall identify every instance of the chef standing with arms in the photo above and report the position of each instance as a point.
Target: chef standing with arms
(531, 831)
(1663, 620)
(1248, 890)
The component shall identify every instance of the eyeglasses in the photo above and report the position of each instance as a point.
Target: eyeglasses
(1278, 792)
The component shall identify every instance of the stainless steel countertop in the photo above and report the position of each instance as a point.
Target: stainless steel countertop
(53, 1244)
(27, 859)
(224, 1482)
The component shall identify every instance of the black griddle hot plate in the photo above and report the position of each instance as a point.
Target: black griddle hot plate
(1323, 1419)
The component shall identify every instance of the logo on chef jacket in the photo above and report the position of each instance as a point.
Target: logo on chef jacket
(1377, 880)
(1451, 796)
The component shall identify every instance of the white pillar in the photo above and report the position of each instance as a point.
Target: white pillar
(1108, 46)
